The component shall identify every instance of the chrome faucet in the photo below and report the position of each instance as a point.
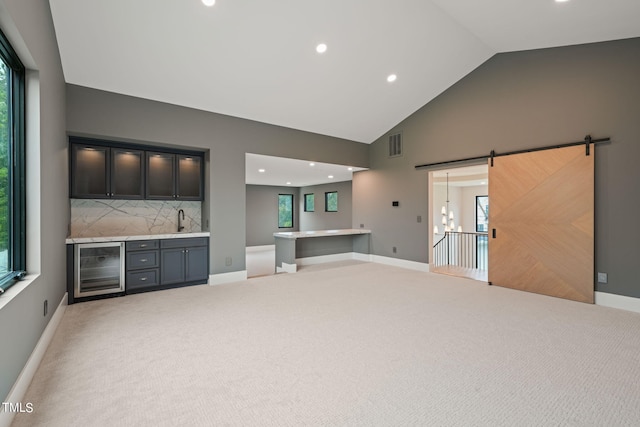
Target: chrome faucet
(180, 226)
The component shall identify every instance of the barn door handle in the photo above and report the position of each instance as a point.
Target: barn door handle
(493, 233)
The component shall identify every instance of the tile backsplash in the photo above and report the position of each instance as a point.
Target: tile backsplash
(93, 218)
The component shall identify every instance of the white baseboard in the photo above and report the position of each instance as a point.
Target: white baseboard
(402, 263)
(21, 385)
(287, 268)
(618, 301)
(221, 278)
(324, 258)
(260, 248)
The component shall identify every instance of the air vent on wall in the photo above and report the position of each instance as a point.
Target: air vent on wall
(395, 145)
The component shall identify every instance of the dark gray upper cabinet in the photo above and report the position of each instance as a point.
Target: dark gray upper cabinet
(189, 182)
(99, 172)
(127, 178)
(161, 176)
(174, 176)
(103, 170)
(90, 171)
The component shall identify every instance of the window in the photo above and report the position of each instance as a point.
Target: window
(482, 213)
(285, 211)
(309, 202)
(12, 177)
(331, 201)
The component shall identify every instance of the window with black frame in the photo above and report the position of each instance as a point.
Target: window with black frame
(482, 213)
(285, 211)
(12, 175)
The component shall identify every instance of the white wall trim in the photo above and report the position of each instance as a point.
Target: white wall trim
(260, 248)
(402, 263)
(287, 268)
(321, 259)
(618, 301)
(19, 389)
(222, 278)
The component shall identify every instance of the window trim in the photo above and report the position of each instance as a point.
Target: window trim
(17, 257)
(306, 207)
(326, 199)
(292, 210)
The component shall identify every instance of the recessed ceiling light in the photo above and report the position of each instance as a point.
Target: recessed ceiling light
(261, 170)
(350, 169)
(392, 78)
(312, 164)
(330, 177)
(288, 183)
(483, 183)
(209, 2)
(321, 48)
(561, 1)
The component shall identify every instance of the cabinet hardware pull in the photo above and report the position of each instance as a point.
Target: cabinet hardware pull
(142, 279)
(144, 245)
(143, 260)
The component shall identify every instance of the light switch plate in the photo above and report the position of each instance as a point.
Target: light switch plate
(602, 277)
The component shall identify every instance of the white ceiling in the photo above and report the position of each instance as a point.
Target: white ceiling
(256, 59)
(293, 173)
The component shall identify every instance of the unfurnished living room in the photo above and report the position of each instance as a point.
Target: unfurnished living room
(335, 213)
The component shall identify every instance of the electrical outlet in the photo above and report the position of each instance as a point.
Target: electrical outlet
(419, 218)
(46, 307)
(361, 225)
(395, 250)
(602, 277)
(228, 261)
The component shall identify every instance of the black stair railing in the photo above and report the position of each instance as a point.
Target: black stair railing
(462, 249)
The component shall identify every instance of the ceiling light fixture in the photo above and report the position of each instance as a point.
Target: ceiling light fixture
(209, 2)
(350, 168)
(312, 164)
(330, 177)
(561, 1)
(288, 183)
(321, 48)
(392, 78)
(261, 170)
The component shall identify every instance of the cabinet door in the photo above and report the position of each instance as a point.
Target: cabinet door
(197, 263)
(89, 171)
(126, 174)
(189, 183)
(172, 266)
(160, 176)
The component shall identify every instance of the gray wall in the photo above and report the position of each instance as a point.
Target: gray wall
(321, 220)
(101, 114)
(29, 27)
(262, 213)
(262, 210)
(517, 101)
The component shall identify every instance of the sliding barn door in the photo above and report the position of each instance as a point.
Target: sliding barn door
(541, 208)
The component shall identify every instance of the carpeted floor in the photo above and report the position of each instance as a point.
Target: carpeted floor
(341, 344)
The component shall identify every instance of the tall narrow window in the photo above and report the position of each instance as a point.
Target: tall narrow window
(309, 202)
(331, 201)
(12, 178)
(285, 211)
(482, 213)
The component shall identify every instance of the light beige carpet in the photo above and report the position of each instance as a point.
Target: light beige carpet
(341, 344)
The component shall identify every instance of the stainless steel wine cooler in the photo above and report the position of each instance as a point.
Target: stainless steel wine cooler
(99, 269)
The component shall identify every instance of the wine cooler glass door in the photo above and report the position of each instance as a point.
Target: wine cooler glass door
(99, 269)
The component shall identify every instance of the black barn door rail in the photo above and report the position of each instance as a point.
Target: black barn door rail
(586, 142)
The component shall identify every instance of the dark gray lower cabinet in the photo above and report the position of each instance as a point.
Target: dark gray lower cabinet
(184, 261)
(158, 264)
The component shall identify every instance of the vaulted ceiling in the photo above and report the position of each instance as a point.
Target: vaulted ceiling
(257, 59)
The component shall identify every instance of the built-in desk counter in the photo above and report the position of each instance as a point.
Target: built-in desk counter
(296, 245)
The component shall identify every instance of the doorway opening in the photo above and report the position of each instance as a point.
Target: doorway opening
(458, 220)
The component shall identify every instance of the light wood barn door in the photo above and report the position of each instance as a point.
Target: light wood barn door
(541, 207)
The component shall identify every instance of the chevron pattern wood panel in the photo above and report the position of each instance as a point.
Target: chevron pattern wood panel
(541, 206)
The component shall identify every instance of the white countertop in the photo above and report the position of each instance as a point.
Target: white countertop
(320, 233)
(98, 239)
